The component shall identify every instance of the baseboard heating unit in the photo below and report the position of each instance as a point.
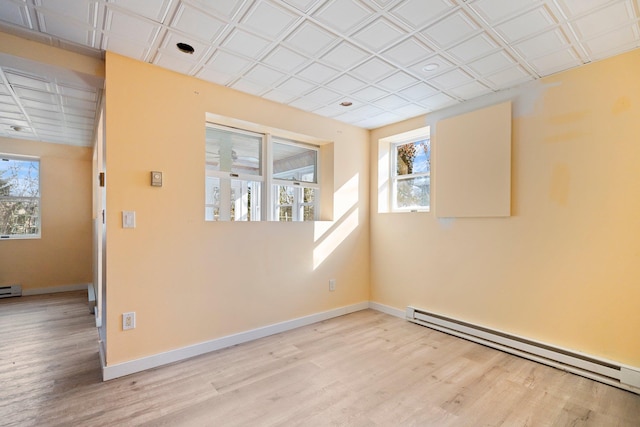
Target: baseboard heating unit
(612, 373)
(10, 291)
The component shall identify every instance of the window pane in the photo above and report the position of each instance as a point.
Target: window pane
(212, 199)
(308, 213)
(309, 195)
(211, 213)
(245, 199)
(412, 192)
(295, 203)
(19, 178)
(212, 188)
(285, 213)
(234, 152)
(19, 217)
(413, 157)
(19, 197)
(294, 162)
(286, 195)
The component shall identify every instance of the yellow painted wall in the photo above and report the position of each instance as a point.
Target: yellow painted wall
(62, 256)
(188, 280)
(565, 268)
(43, 55)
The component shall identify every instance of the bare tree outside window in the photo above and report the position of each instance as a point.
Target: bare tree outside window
(285, 202)
(19, 197)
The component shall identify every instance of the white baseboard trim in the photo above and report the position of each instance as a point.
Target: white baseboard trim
(629, 376)
(387, 309)
(55, 289)
(142, 364)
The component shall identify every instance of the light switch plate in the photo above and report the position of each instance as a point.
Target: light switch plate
(156, 179)
(128, 219)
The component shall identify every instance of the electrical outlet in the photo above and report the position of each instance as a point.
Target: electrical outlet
(332, 285)
(128, 320)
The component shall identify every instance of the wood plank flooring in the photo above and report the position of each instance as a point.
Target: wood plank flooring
(363, 369)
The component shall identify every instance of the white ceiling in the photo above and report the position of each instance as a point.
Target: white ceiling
(312, 54)
(41, 103)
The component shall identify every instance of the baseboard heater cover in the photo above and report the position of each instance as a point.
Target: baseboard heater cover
(10, 291)
(608, 372)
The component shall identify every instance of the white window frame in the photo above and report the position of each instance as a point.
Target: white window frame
(298, 184)
(229, 180)
(268, 207)
(394, 178)
(38, 234)
(298, 204)
(241, 185)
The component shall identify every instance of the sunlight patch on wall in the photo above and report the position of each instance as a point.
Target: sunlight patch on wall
(340, 231)
(344, 199)
(329, 235)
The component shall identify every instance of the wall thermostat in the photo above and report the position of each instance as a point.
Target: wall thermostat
(156, 179)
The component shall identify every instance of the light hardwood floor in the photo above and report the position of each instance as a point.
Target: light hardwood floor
(363, 369)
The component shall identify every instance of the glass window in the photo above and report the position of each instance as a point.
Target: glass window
(411, 176)
(233, 184)
(242, 203)
(19, 197)
(295, 174)
(294, 162)
(295, 203)
(234, 151)
(239, 182)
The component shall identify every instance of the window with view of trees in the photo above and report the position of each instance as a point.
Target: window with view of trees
(19, 197)
(296, 181)
(239, 181)
(233, 175)
(411, 175)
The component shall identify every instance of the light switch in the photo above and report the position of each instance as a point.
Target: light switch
(128, 219)
(156, 179)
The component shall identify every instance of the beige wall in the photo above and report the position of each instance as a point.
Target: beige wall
(188, 280)
(62, 256)
(564, 268)
(53, 59)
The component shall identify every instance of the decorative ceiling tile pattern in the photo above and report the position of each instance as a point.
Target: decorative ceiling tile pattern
(44, 108)
(393, 59)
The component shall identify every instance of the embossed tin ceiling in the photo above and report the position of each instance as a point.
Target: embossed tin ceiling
(393, 59)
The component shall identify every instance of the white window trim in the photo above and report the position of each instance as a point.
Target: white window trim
(226, 177)
(298, 195)
(384, 165)
(394, 177)
(298, 185)
(268, 203)
(226, 186)
(37, 235)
